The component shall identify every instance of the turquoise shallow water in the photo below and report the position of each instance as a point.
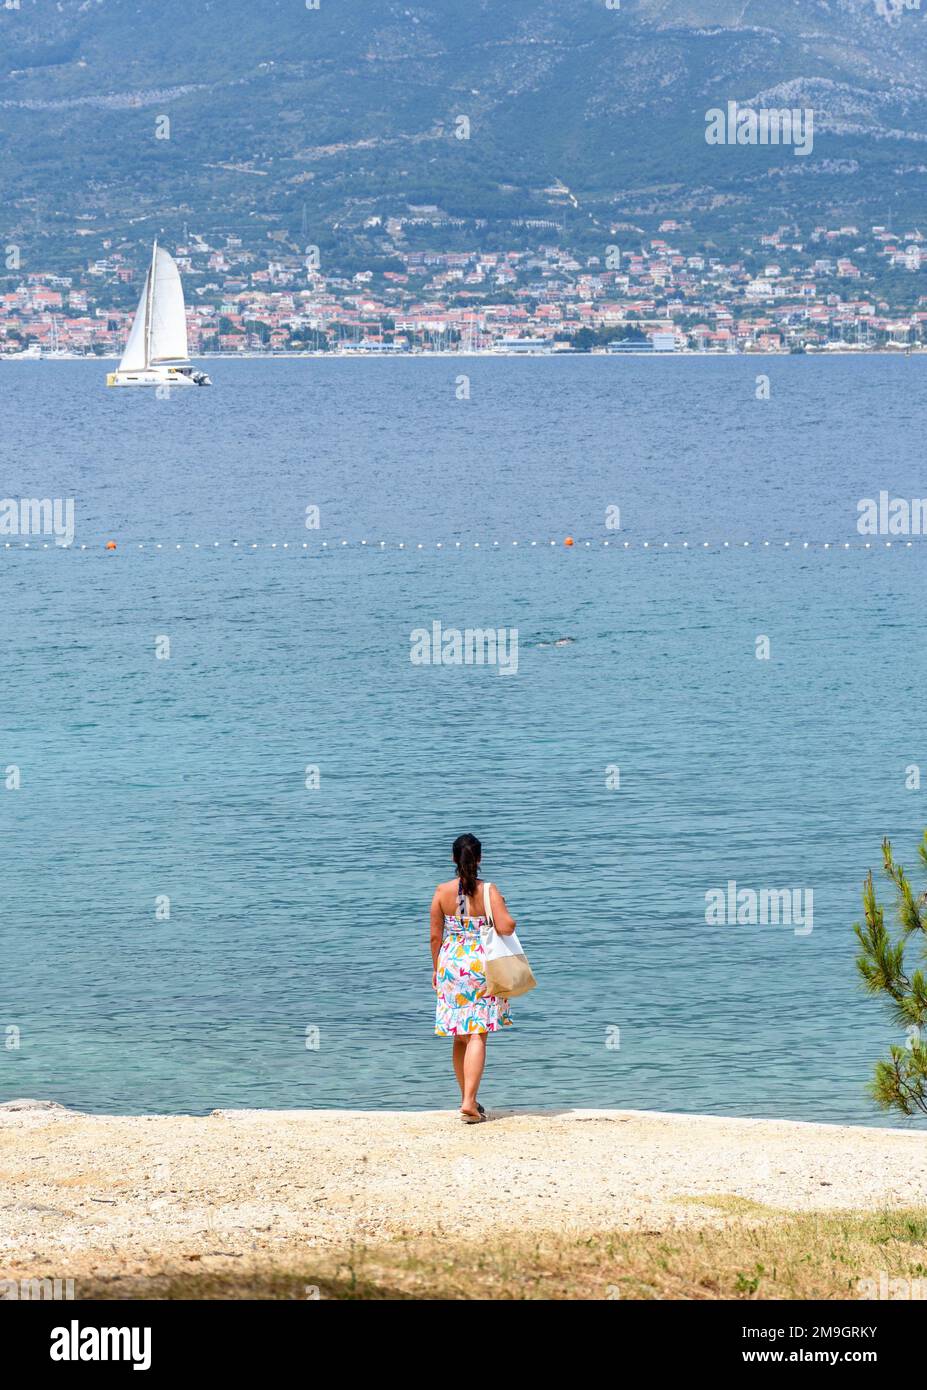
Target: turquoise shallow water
(294, 908)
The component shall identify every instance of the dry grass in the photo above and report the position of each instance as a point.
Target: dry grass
(741, 1250)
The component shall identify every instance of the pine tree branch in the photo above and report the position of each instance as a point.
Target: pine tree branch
(899, 1083)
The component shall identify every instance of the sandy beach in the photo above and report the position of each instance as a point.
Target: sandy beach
(101, 1197)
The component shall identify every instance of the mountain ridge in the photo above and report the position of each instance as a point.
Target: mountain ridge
(319, 121)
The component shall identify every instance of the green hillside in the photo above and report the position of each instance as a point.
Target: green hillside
(312, 122)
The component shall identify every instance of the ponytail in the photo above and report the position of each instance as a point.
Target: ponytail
(466, 851)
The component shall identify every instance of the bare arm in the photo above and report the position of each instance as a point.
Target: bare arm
(505, 922)
(437, 928)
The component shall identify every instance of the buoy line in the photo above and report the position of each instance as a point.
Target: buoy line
(569, 543)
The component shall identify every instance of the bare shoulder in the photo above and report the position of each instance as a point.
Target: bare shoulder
(445, 892)
(497, 899)
(505, 922)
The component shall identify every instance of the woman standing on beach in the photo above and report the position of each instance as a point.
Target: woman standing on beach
(465, 1012)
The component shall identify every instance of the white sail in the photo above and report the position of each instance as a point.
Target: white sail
(167, 333)
(156, 353)
(134, 357)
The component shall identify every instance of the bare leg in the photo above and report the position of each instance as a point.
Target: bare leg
(474, 1061)
(459, 1051)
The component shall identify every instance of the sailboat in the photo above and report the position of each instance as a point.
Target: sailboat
(156, 352)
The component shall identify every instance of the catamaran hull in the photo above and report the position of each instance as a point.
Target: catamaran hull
(149, 377)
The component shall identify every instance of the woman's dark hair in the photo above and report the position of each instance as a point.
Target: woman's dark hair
(466, 851)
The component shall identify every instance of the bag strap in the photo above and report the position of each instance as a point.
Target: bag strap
(487, 905)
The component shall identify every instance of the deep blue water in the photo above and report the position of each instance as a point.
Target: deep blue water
(293, 908)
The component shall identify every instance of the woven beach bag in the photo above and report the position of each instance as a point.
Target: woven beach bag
(508, 973)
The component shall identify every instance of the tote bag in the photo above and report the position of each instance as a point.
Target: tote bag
(508, 973)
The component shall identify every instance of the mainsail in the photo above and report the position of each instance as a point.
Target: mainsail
(159, 333)
(168, 333)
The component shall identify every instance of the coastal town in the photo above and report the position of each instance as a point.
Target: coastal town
(829, 288)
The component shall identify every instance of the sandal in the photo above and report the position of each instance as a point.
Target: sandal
(478, 1119)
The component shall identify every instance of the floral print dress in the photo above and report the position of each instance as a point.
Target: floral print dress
(463, 1004)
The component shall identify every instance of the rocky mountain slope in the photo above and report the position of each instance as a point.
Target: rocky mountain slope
(312, 122)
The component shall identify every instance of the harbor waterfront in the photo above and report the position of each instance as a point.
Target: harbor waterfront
(816, 288)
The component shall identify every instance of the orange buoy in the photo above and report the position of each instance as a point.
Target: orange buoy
(110, 545)
(568, 541)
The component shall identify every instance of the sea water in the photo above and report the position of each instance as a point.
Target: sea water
(236, 789)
